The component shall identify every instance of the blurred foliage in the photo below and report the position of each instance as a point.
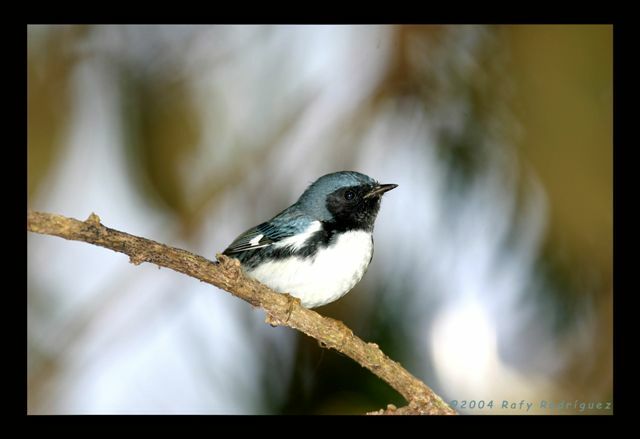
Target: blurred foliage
(162, 131)
(50, 62)
(564, 77)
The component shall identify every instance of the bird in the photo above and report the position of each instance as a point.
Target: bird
(320, 247)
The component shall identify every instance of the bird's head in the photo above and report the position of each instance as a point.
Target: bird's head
(348, 199)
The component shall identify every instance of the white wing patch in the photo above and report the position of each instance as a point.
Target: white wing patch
(297, 241)
(256, 240)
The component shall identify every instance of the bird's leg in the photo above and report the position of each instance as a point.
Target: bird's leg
(292, 301)
(275, 321)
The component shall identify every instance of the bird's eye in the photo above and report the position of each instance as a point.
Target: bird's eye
(349, 195)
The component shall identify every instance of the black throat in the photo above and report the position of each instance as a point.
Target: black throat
(352, 209)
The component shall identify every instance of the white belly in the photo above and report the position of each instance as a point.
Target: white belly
(324, 278)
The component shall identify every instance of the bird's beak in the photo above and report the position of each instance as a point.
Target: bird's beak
(380, 189)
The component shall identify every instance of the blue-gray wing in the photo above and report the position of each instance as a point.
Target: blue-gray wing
(263, 235)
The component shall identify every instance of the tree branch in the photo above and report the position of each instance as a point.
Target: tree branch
(281, 309)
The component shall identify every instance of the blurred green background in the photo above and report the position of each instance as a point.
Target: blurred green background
(492, 276)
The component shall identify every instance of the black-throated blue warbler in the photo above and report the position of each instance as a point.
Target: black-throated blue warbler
(320, 247)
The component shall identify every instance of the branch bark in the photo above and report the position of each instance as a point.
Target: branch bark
(281, 309)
